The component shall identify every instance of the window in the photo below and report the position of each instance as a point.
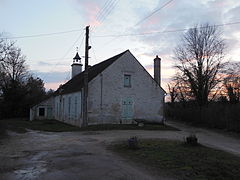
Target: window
(69, 106)
(41, 111)
(57, 110)
(127, 80)
(63, 108)
(75, 107)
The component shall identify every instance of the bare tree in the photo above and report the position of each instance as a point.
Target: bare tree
(172, 89)
(12, 73)
(18, 89)
(232, 82)
(12, 64)
(5, 48)
(200, 56)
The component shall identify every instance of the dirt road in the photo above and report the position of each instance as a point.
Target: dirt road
(70, 156)
(210, 138)
(83, 155)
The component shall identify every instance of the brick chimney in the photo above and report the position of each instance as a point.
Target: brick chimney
(157, 70)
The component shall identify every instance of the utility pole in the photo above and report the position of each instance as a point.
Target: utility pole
(85, 89)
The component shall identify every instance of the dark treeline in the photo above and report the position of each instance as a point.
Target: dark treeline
(221, 115)
(19, 89)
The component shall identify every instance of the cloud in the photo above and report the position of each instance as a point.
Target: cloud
(177, 15)
(52, 80)
(233, 13)
(43, 63)
(53, 86)
(183, 15)
(52, 77)
(89, 10)
(166, 71)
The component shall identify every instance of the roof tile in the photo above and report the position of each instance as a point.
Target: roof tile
(77, 82)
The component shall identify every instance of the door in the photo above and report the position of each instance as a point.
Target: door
(49, 113)
(127, 110)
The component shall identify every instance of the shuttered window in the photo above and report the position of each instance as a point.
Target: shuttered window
(76, 105)
(127, 80)
(69, 106)
(41, 111)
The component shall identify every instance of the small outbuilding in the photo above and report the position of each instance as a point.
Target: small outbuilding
(43, 110)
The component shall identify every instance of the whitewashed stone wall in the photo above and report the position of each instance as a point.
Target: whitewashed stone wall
(106, 95)
(47, 105)
(68, 108)
(107, 91)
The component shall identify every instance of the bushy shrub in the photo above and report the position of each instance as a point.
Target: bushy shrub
(3, 131)
(133, 143)
(191, 140)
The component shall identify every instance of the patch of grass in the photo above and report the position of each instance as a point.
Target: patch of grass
(106, 127)
(3, 132)
(183, 161)
(20, 126)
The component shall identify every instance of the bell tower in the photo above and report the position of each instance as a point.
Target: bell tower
(76, 65)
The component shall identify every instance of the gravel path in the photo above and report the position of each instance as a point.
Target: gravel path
(210, 138)
(70, 156)
(83, 155)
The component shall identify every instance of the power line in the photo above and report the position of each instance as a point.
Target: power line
(139, 34)
(65, 58)
(53, 59)
(94, 54)
(68, 75)
(104, 8)
(117, 36)
(42, 35)
(159, 32)
(167, 3)
(108, 11)
(66, 53)
(105, 11)
(102, 11)
(156, 32)
(107, 7)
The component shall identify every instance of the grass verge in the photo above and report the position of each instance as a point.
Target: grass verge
(20, 126)
(181, 160)
(106, 127)
(3, 132)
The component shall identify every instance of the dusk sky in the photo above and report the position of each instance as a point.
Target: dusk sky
(50, 56)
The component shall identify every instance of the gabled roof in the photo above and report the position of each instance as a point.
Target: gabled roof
(77, 56)
(77, 82)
